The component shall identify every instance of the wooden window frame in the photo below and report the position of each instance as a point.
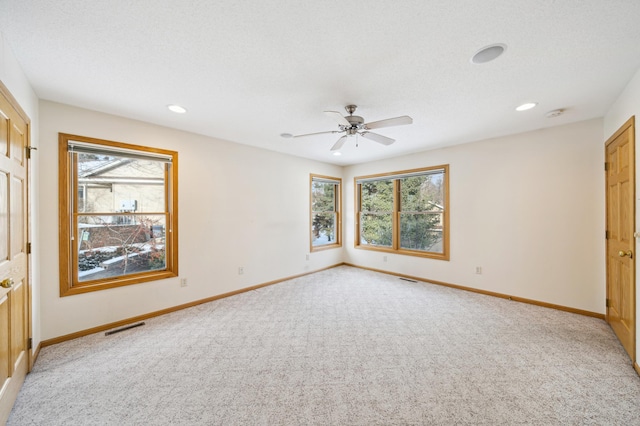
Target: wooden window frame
(67, 186)
(395, 245)
(337, 211)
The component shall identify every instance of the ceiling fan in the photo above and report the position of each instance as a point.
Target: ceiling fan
(352, 125)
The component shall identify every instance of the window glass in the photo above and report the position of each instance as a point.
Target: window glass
(404, 212)
(376, 213)
(421, 211)
(116, 245)
(118, 203)
(325, 212)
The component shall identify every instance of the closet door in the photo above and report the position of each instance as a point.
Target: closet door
(14, 289)
(621, 263)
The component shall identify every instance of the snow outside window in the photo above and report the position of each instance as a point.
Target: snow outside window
(117, 214)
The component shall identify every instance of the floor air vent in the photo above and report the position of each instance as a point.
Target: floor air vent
(118, 330)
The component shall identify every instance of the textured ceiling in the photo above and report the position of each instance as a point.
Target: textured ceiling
(248, 71)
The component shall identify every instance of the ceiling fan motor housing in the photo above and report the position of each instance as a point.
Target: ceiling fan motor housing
(356, 123)
(355, 120)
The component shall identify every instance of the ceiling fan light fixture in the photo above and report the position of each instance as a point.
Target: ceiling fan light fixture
(337, 153)
(177, 109)
(526, 106)
(488, 53)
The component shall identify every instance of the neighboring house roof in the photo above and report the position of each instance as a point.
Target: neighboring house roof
(97, 171)
(98, 167)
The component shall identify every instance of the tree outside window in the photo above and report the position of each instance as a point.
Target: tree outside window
(404, 212)
(421, 212)
(118, 206)
(376, 213)
(325, 212)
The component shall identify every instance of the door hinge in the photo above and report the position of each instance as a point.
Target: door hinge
(606, 235)
(28, 248)
(606, 166)
(608, 303)
(29, 149)
(29, 343)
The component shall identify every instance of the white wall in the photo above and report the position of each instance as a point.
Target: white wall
(14, 79)
(238, 206)
(527, 208)
(626, 106)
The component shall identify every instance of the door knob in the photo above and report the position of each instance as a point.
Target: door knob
(7, 283)
(623, 253)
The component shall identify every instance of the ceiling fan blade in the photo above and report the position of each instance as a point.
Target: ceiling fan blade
(336, 116)
(378, 138)
(339, 143)
(317, 133)
(398, 121)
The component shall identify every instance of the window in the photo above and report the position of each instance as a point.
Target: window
(118, 214)
(326, 223)
(404, 212)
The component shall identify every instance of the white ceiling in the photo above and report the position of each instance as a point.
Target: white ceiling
(248, 71)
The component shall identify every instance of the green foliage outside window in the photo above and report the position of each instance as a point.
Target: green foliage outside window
(421, 211)
(324, 215)
(376, 221)
(404, 213)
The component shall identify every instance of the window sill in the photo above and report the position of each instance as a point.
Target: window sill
(117, 282)
(325, 247)
(428, 255)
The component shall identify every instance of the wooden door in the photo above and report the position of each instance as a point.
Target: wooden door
(620, 180)
(14, 299)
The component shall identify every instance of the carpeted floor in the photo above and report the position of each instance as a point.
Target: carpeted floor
(340, 347)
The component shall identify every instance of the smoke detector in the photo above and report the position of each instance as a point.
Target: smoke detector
(554, 113)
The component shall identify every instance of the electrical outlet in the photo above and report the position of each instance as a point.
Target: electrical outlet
(241, 270)
(384, 258)
(479, 270)
(183, 282)
(307, 257)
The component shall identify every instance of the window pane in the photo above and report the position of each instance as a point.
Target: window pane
(116, 245)
(325, 212)
(421, 231)
(376, 229)
(422, 193)
(120, 206)
(405, 212)
(114, 184)
(376, 196)
(323, 229)
(323, 196)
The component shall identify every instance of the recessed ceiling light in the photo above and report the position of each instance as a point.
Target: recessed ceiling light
(337, 153)
(177, 108)
(286, 135)
(526, 106)
(488, 53)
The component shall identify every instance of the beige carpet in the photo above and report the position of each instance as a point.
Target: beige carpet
(341, 347)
